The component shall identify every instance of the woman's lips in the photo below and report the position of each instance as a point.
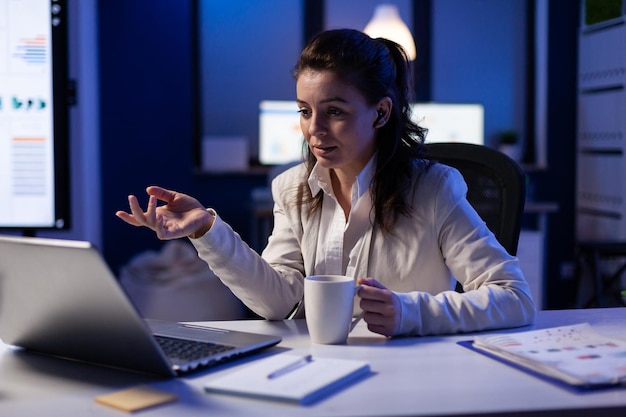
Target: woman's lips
(324, 150)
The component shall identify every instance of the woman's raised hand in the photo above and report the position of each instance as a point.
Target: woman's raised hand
(181, 216)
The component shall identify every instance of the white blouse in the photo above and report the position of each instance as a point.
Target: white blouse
(341, 241)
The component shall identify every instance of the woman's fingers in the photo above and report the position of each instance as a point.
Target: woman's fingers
(175, 218)
(136, 210)
(151, 217)
(128, 218)
(372, 290)
(161, 193)
(381, 307)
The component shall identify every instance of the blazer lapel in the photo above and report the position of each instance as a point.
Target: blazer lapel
(310, 225)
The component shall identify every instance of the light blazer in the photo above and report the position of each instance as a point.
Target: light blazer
(443, 240)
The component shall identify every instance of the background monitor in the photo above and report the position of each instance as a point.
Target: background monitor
(451, 122)
(280, 137)
(34, 160)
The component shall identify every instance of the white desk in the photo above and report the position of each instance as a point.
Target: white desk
(411, 377)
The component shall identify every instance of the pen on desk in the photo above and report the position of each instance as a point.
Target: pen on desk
(290, 367)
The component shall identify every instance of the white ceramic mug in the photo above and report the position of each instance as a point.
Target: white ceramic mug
(328, 304)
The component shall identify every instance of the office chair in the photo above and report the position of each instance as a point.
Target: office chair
(496, 186)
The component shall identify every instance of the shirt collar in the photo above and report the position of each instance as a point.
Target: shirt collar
(319, 179)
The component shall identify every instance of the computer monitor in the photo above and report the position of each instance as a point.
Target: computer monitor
(34, 115)
(280, 137)
(451, 122)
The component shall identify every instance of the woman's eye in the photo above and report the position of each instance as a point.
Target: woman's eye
(334, 112)
(304, 112)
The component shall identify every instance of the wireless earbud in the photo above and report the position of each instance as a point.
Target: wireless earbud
(380, 116)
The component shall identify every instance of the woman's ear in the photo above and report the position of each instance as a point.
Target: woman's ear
(383, 112)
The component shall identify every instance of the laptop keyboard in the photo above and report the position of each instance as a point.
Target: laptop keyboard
(189, 350)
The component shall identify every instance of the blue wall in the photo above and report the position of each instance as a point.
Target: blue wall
(148, 102)
(478, 55)
(247, 51)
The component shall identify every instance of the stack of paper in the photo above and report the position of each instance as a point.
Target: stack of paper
(576, 354)
(290, 377)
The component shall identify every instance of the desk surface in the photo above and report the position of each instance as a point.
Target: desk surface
(420, 376)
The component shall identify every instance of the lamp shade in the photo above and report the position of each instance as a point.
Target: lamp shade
(386, 23)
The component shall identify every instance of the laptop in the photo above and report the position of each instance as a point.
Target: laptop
(59, 298)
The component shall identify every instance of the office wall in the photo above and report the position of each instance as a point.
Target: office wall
(148, 104)
(247, 49)
(478, 55)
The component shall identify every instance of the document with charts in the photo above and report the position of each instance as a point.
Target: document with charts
(575, 354)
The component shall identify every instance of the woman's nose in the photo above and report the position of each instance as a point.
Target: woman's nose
(317, 125)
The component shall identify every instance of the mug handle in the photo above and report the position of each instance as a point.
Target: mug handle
(360, 316)
(356, 320)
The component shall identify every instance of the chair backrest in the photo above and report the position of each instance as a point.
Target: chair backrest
(496, 186)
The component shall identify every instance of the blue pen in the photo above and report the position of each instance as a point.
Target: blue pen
(291, 367)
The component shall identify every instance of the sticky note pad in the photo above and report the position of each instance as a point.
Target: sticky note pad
(137, 398)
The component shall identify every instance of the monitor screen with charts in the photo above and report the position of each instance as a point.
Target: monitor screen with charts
(451, 122)
(34, 115)
(280, 137)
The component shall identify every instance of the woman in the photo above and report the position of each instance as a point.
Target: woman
(365, 203)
